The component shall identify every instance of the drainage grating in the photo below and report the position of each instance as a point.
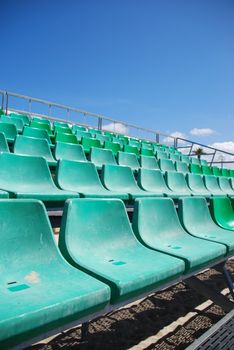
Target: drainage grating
(218, 337)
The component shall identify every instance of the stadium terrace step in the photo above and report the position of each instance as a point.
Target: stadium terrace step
(222, 212)
(196, 219)
(40, 291)
(69, 151)
(30, 177)
(96, 235)
(82, 177)
(156, 224)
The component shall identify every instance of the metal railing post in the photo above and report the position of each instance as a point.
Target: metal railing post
(157, 137)
(100, 123)
(2, 101)
(7, 101)
(175, 142)
(213, 158)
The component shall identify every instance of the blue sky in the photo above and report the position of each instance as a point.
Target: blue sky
(163, 64)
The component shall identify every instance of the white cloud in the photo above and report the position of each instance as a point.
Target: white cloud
(116, 127)
(227, 146)
(202, 131)
(174, 134)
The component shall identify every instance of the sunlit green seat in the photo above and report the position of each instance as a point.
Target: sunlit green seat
(182, 167)
(120, 179)
(128, 159)
(174, 157)
(80, 134)
(82, 177)
(206, 170)
(113, 146)
(222, 212)
(76, 127)
(100, 156)
(156, 225)
(9, 130)
(40, 292)
(231, 172)
(61, 124)
(3, 143)
(102, 138)
(94, 131)
(123, 138)
(197, 186)
(166, 165)
(115, 140)
(69, 151)
(134, 143)
(62, 130)
(216, 171)
(147, 152)
(225, 172)
(161, 155)
(185, 158)
(41, 120)
(148, 162)
(196, 219)
(195, 168)
(38, 134)
(212, 185)
(42, 125)
(96, 235)
(225, 186)
(131, 149)
(23, 117)
(69, 138)
(2, 112)
(177, 183)
(31, 146)
(30, 177)
(203, 162)
(11, 120)
(194, 160)
(88, 143)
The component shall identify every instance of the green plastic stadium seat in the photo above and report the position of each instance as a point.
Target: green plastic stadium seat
(61, 124)
(182, 167)
(206, 170)
(62, 130)
(197, 186)
(120, 142)
(177, 183)
(113, 146)
(156, 225)
(41, 120)
(79, 134)
(120, 179)
(222, 212)
(166, 165)
(128, 159)
(23, 117)
(107, 248)
(196, 219)
(123, 138)
(216, 171)
(225, 186)
(231, 172)
(82, 177)
(30, 177)
(100, 156)
(94, 131)
(174, 157)
(41, 125)
(88, 143)
(78, 127)
(195, 168)
(131, 149)
(185, 159)
(69, 138)
(225, 172)
(161, 155)
(147, 145)
(109, 133)
(212, 185)
(16, 121)
(102, 138)
(31, 146)
(9, 130)
(148, 162)
(3, 144)
(135, 143)
(147, 152)
(69, 151)
(203, 162)
(40, 291)
(194, 160)
(2, 111)
(38, 134)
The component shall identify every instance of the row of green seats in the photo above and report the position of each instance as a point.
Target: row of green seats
(40, 295)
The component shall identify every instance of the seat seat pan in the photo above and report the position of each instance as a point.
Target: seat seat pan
(49, 195)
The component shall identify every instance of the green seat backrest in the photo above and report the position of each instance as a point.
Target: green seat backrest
(117, 140)
(216, 171)
(203, 162)
(152, 180)
(147, 152)
(148, 162)
(80, 134)
(62, 130)
(161, 155)
(166, 165)
(2, 111)
(88, 142)
(211, 183)
(61, 124)
(232, 183)
(113, 146)
(3, 143)
(69, 138)
(225, 184)
(225, 172)
(123, 138)
(182, 167)
(116, 177)
(16, 121)
(109, 133)
(41, 125)
(78, 127)
(24, 174)
(222, 211)
(94, 131)
(176, 182)
(23, 117)
(100, 156)
(195, 182)
(185, 159)
(134, 143)
(102, 138)
(195, 168)
(69, 151)
(42, 120)
(131, 149)
(194, 160)
(231, 172)
(206, 170)
(9, 130)
(36, 133)
(174, 157)
(34, 147)
(128, 159)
